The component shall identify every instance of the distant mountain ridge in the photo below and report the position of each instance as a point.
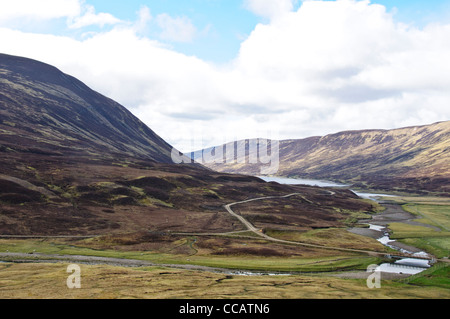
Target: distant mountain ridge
(411, 158)
(44, 110)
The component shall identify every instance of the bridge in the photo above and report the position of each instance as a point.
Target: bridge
(408, 255)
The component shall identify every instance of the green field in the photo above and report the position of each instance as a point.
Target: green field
(436, 276)
(434, 212)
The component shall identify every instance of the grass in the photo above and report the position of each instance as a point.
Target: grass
(331, 237)
(402, 230)
(60, 248)
(437, 246)
(311, 271)
(431, 211)
(421, 237)
(283, 264)
(48, 281)
(436, 276)
(434, 214)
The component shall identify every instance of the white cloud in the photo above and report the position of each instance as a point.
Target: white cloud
(269, 8)
(76, 12)
(144, 17)
(40, 10)
(333, 55)
(89, 18)
(178, 29)
(326, 67)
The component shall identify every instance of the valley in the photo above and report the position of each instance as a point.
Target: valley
(187, 261)
(411, 159)
(313, 258)
(84, 181)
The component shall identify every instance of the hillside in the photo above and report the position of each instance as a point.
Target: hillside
(412, 158)
(74, 162)
(44, 111)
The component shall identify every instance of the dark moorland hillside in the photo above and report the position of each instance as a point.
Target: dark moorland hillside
(74, 162)
(44, 111)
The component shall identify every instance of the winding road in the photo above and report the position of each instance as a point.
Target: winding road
(246, 222)
(37, 257)
(260, 233)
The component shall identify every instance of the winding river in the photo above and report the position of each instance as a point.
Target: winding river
(380, 232)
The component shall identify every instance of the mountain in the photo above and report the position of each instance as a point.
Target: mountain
(43, 110)
(74, 162)
(412, 158)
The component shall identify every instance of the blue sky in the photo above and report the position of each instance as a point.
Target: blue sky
(210, 11)
(223, 22)
(226, 22)
(220, 70)
(220, 25)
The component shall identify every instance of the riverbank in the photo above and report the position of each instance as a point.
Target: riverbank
(393, 213)
(377, 228)
(339, 277)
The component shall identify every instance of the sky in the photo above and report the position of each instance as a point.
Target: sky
(205, 72)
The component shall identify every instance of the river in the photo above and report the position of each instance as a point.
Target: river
(320, 183)
(379, 232)
(296, 181)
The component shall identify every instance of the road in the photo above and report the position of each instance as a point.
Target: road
(37, 257)
(246, 222)
(260, 233)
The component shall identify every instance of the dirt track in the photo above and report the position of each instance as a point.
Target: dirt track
(391, 214)
(259, 232)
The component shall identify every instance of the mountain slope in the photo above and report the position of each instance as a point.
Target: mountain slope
(73, 162)
(43, 110)
(408, 158)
